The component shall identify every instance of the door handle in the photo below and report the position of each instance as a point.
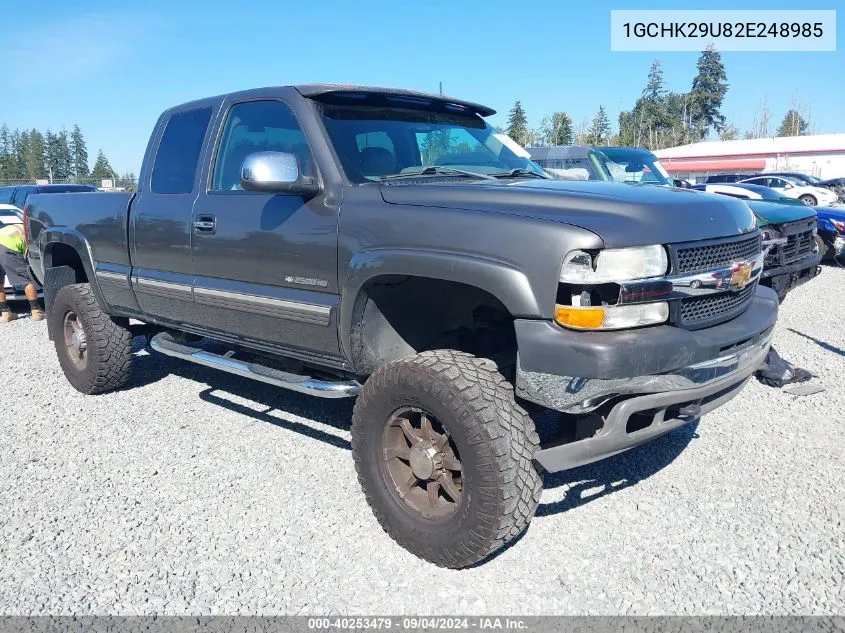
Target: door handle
(205, 224)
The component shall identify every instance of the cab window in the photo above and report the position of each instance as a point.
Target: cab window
(257, 126)
(175, 167)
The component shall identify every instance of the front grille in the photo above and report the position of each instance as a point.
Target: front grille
(798, 246)
(800, 243)
(710, 256)
(700, 311)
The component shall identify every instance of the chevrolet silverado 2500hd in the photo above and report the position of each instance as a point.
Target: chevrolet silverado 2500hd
(392, 246)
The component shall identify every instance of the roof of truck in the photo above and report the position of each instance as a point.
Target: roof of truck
(317, 90)
(314, 90)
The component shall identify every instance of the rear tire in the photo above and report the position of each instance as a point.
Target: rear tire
(94, 350)
(481, 438)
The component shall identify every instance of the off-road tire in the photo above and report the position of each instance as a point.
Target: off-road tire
(496, 440)
(109, 342)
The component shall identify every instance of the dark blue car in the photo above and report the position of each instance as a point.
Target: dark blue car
(831, 227)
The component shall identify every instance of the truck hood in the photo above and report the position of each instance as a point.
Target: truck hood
(621, 214)
(778, 213)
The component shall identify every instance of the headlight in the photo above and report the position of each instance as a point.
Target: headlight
(772, 237)
(614, 264)
(612, 317)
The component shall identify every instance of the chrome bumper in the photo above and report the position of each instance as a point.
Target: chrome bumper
(572, 394)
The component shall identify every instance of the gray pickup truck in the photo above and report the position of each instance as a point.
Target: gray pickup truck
(390, 245)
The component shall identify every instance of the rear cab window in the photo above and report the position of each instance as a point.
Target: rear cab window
(178, 154)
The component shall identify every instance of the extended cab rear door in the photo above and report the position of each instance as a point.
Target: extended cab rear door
(265, 264)
(160, 217)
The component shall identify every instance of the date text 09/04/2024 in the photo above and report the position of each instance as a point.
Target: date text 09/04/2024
(416, 623)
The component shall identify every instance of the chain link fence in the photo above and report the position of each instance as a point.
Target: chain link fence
(114, 184)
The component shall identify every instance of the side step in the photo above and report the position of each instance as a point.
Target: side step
(164, 342)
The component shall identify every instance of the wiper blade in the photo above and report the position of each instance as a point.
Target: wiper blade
(433, 170)
(520, 171)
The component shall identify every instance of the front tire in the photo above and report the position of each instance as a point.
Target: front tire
(94, 350)
(444, 456)
(821, 248)
(809, 200)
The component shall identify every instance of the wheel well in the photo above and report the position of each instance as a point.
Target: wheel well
(65, 255)
(398, 315)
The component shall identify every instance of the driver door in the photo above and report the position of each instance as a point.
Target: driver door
(265, 264)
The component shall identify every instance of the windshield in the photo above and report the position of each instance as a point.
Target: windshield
(585, 167)
(765, 193)
(375, 142)
(637, 167)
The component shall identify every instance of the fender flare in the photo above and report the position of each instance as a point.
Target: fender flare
(503, 281)
(70, 237)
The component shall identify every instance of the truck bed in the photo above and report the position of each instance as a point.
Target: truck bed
(102, 217)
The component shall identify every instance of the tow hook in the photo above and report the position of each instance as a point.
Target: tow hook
(689, 412)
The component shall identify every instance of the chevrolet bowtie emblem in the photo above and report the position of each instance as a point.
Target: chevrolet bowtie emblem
(740, 275)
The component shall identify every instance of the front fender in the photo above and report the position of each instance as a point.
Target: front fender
(507, 284)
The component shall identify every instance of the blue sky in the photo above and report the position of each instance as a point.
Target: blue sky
(112, 70)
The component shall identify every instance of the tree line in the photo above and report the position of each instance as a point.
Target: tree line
(660, 117)
(61, 156)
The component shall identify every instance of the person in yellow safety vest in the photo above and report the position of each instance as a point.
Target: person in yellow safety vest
(13, 265)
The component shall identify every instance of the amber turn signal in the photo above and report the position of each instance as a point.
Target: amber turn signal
(582, 318)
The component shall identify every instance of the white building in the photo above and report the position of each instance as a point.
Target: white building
(821, 155)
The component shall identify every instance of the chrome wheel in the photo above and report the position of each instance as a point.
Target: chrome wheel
(421, 461)
(75, 340)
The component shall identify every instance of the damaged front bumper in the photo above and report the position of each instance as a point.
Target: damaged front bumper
(664, 376)
(784, 278)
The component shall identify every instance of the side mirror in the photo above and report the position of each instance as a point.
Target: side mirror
(276, 172)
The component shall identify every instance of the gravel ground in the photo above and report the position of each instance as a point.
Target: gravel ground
(177, 496)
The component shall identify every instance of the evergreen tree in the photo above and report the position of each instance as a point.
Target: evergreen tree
(654, 89)
(102, 170)
(518, 124)
(63, 154)
(435, 145)
(557, 130)
(127, 181)
(708, 92)
(17, 160)
(57, 155)
(32, 148)
(79, 154)
(793, 124)
(5, 140)
(600, 128)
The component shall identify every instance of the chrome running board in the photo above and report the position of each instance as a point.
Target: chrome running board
(165, 343)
